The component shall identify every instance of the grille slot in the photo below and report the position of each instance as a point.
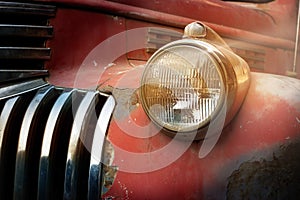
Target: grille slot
(157, 37)
(26, 13)
(24, 31)
(254, 57)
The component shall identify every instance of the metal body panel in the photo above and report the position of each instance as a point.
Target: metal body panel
(258, 19)
(73, 44)
(259, 33)
(267, 123)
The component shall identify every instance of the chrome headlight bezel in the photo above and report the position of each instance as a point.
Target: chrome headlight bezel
(232, 73)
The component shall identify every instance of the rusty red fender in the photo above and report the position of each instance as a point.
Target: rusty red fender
(253, 151)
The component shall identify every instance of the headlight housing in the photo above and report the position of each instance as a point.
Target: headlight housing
(186, 83)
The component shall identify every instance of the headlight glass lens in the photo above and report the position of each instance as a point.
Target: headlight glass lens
(182, 88)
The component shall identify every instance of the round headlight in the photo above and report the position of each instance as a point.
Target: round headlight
(182, 87)
(185, 84)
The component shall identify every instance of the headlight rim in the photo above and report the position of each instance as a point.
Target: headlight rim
(219, 59)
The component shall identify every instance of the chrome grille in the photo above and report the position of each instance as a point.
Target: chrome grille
(46, 136)
(24, 31)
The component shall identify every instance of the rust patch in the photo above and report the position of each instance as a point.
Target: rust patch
(278, 178)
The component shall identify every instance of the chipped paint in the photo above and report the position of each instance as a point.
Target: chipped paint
(109, 172)
(125, 190)
(95, 63)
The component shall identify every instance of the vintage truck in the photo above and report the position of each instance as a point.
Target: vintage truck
(129, 99)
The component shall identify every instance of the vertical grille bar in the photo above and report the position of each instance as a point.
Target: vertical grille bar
(12, 116)
(49, 186)
(29, 143)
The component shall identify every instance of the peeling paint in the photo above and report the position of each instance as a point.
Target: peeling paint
(127, 100)
(115, 18)
(109, 172)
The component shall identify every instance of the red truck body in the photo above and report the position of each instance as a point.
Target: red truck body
(105, 44)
